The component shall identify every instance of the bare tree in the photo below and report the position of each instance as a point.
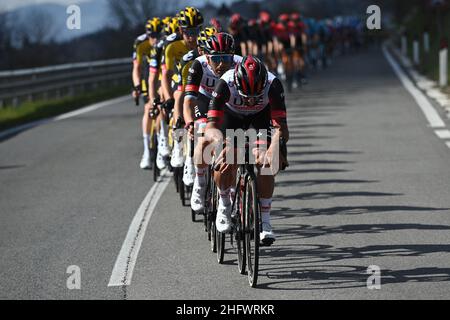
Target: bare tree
(132, 13)
(37, 27)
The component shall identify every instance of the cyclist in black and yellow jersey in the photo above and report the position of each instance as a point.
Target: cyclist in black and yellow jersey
(183, 73)
(156, 62)
(177, 45)
(141, 57)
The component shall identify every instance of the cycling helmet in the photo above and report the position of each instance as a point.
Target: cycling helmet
(235, 20)
(166, 20)
(171, 27)
(283, 17)
(216, 24)
(190, 17)
(250, 77)
(153, 26)
(295, 17)
(220, 43)
(264, 17)
(204, 35)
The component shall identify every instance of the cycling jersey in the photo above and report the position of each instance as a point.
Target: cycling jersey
(239, 36)
(202, 78)
(186, 63)
(281, 32)
(226, 95)
(174, 50)
(141, 49)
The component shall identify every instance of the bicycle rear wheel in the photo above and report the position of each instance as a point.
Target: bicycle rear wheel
(252, 228)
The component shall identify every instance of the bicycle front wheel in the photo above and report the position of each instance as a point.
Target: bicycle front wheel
(252, 228)
(240, 234)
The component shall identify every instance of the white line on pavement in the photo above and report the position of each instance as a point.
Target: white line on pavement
(432, 116)
(443, 134)
(126, 260)
(67, 115)
(448, 144)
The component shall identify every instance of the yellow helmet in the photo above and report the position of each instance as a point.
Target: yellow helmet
(171, 26)
(166, 20)
(190, 17)
(204, 35)
(153, 26)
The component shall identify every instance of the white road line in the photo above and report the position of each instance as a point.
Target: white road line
(67, 115)
(443, 134)
(448, 144)
(126, 260)
(432, 116)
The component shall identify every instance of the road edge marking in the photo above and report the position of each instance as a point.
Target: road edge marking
(430, 113)
(443, 133)
(11, 131)
(122, 272)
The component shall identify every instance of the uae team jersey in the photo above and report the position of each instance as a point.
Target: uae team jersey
(202, 79)
(226, 95)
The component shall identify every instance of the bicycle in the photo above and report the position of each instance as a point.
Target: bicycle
(246, 219)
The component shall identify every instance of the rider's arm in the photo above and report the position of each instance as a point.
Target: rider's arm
(191, 88)
(278, 108)
(220, 97)
(154, 72)
(136, 73)
(168, 70)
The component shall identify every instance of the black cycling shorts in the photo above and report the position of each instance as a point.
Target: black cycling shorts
(258, 121)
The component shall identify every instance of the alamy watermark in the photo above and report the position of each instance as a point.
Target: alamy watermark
(74, 280)
(373, 22)
(374, 280)
(73, 21)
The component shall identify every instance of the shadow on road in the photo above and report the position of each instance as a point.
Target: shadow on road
(291, 265)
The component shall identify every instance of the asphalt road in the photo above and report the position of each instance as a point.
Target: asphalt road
(368, 184)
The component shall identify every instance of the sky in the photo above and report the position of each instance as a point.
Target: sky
(13, 4)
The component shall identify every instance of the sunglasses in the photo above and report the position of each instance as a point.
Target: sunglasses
(225, 58)
(191, 32)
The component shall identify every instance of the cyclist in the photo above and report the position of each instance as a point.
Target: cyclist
(204, 74)
(143, 47)
(283, 40)
(185, 66)
(247, 96)
(299, 40)
(236, 29)
(156, 67)
(178, 45)
(268, 50)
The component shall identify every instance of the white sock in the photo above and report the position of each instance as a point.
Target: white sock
(232, 192)
(225, 197)
(266, 205)
(200, 175)
(145, 138)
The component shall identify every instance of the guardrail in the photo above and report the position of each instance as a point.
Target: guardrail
(58, 81)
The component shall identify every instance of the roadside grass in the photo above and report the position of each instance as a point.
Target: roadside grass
(37, 110)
